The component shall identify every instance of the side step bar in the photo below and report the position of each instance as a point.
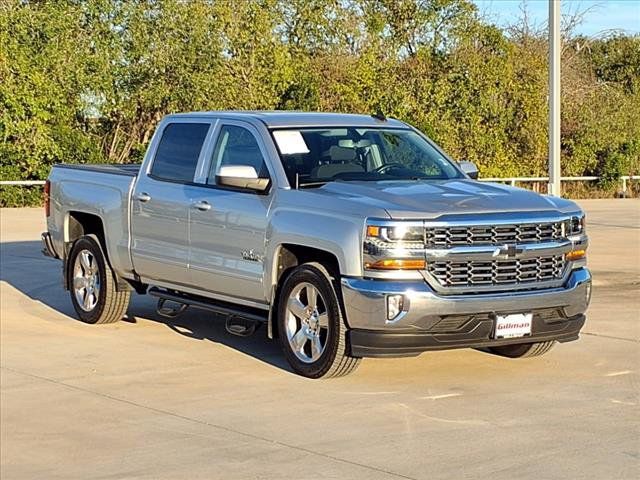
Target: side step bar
(241, 321)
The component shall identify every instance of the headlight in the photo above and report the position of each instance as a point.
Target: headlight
(394, 246)
(577, 225)
(576, 233)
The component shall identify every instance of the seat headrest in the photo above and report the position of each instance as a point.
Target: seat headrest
(341, 154)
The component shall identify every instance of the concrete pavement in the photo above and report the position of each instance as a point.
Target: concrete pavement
(153, 398)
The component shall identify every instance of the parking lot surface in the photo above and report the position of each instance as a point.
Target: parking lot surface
(155, 398)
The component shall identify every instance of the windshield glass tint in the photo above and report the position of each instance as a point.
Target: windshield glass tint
(360, 154)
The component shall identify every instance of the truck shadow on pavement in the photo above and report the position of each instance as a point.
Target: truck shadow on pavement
(24, 268)
(202, 325)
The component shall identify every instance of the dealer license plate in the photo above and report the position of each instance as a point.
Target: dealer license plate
(513, 326)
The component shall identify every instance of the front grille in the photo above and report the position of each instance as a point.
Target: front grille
(497, 272)
(446, 237)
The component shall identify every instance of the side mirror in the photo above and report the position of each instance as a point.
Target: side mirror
(241, 176)
(470, 169)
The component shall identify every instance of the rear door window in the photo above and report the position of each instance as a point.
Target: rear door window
(178, 151)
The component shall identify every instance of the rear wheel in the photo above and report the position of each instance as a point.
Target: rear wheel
(92, 284)
(311, 328)
(523, 350)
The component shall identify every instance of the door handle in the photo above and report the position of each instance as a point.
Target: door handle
(143, 197)
(202, 205)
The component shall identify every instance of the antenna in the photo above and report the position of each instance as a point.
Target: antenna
(379, 115)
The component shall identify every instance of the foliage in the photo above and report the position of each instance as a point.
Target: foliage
(87, 81)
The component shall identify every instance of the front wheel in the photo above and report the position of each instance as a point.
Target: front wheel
(92, 284)
(523, 350)
(311, 328)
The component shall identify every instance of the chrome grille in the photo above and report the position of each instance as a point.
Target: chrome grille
(439, 237)
(497, 272)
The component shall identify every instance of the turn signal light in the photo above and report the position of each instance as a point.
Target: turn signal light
(576, 255)
(373, 231)
(397, 264)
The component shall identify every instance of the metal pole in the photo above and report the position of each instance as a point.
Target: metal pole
(554, 98)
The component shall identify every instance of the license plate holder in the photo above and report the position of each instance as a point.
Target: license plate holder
(513, 325)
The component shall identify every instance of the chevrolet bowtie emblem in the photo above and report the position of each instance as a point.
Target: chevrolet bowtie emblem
(508, 251)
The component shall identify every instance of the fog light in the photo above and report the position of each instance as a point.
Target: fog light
(394, 306)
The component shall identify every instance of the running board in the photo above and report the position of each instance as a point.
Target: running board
(241, 321)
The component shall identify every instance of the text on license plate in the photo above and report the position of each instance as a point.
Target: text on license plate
(515, 325)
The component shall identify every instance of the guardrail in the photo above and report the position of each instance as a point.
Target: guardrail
(511, 180)
(26, 183)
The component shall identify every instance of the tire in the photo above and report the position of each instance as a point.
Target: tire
(523, 350)
(92, 284)
(313, 339)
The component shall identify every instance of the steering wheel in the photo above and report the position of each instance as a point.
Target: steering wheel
(386, 166)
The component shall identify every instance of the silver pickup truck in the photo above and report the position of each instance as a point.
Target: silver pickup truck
(349, 236)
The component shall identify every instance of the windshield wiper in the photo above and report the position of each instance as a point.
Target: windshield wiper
(313, 184)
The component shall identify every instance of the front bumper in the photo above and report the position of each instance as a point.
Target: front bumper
(430, 321)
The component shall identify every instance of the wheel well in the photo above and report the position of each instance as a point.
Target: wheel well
(80, 223)
(289, 257)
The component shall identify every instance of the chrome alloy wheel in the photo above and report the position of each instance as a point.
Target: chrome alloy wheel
(307, 322)
(86, 280)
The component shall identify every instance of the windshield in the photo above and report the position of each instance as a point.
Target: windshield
(320, 155)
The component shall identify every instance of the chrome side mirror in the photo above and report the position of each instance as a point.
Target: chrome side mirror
(241, 176)
(469, 168)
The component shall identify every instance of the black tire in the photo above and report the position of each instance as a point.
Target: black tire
(523, 350)
(110, 304)
(334, 361)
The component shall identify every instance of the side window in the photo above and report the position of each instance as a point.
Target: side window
(236, 146)
(178, 151)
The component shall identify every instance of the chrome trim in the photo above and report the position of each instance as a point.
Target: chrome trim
(394, 274)
(498, 288)
(365, 302)
(492, 252)
(382, 222)
(522, 218)
(47, 246)
(479, 219)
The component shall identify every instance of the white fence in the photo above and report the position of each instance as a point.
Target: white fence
(511, 180)
(25, 183)
(624, 179)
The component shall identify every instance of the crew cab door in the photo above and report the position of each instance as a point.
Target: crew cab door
(227, 226)
(161, 203)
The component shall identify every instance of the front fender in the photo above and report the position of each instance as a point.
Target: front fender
(340, 235)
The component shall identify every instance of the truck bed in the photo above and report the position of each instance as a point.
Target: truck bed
(103, 191)
(130, 169)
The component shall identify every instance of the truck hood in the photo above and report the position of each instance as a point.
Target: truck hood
(433, 199)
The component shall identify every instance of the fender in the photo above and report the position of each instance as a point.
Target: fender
(340, 235)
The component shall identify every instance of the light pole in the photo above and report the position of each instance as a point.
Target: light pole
(554, 98)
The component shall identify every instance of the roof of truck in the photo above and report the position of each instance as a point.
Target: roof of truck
(284, 119)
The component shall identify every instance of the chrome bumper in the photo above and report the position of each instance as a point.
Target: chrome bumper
(47, 246)
(365, 302)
